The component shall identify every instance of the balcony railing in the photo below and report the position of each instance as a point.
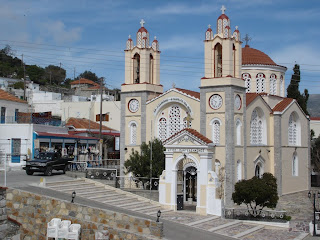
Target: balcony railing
(30, 119)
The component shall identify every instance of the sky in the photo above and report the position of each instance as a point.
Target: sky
(91, 35)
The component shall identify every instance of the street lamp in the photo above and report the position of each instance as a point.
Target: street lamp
(314, 210)
(158, 215)
(73, 196)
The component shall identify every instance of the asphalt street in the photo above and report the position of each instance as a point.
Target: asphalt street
(172, 230)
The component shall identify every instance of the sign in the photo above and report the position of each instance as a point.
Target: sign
(170, 100)
(117, 143)
(36, 143)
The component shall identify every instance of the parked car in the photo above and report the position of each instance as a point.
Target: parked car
(47, 162)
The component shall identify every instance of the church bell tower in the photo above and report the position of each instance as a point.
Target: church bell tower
(142, 82)
(222, 96)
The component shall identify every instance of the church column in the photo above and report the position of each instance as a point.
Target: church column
(278, 152)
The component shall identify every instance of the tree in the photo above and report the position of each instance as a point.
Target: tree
(36, 74)
(315, 153)
(89, 75)
(55, 75)
(257, 193)
(293, 89)
(139, 163)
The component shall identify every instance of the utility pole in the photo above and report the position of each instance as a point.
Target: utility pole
(24, 78)
(74, 73)
(100, 129)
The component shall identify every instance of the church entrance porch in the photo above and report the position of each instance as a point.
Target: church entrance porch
(188, 181)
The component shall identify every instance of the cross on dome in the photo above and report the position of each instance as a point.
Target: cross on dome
(129, 36)
(209, 26)
(236, 27)
(142, 22)
(247, 38)
(223, 9)
(155, 37)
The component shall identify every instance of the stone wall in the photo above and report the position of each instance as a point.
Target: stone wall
(3, 213)
(35, 211)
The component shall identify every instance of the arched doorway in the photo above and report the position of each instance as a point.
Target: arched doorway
(186, 184)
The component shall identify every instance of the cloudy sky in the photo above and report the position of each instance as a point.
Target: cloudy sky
(91, 35)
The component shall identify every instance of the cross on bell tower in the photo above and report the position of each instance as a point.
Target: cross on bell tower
(223, 9)
(142, 22)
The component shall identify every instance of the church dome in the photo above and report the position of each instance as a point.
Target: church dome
(253, 56)
(223, 16)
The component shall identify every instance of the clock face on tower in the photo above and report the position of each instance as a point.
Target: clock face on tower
(237, 101)
(215, 101)
(133, 105)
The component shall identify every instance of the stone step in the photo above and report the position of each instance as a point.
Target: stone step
(92, 189)
(162, 211)
(65, 182)
(72, 186)
(107, 196)
(202, 221)
(223, 226)
(132, 204)
(82, 194)
(251, 230)
(153, 210)
(143, 208)
(123, 200)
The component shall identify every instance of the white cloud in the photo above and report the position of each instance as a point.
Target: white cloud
(58, 31)
(179, 9)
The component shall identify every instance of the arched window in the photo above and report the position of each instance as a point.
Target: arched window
(136, 68)
(133, 133)
(259, 167)
(151, 69)
(281, 86)
(162, 126)
(216, 123)
(257, 128)
(295, 163)
(273, 84)
(238, 132)
(239, 170)
(174, 120)
(260, 80)
(294, 130)
(218, 60)
(247, 79)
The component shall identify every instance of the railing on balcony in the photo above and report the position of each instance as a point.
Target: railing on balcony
(30, 119)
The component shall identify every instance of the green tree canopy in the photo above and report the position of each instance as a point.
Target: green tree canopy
(315, 153)
(139, 163)
(293, 89)
(89, 75)
(257, 193)
(36, 74)
(55, 74)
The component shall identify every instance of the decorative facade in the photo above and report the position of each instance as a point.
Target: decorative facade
(238, 126)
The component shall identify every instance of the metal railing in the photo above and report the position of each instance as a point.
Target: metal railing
(247, 214)
(30, 119)
(142, 183)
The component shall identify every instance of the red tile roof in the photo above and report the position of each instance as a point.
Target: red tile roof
(254, 56)
(84, 81)
(250, 97)
(9, 97)
(193, 132)
(282, 105)
(315, 118)
(83, 123)
(189, 92)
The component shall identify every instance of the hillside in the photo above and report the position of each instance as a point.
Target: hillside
(314, 105)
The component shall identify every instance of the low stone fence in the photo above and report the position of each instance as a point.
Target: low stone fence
(3, 213)
(35, 211)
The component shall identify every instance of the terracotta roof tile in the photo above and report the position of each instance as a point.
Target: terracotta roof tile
(254, 56)
(83, 123)
(84, 81)
(250, 97)
(9, 97)
(193, 132)
(189, 92)
(315, 118)
(282, 105)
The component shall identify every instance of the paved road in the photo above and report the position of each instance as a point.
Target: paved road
(172, 230)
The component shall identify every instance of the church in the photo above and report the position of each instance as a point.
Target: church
(239, 125)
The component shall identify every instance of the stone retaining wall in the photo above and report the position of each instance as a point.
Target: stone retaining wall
(35, 211)
(3, 213)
